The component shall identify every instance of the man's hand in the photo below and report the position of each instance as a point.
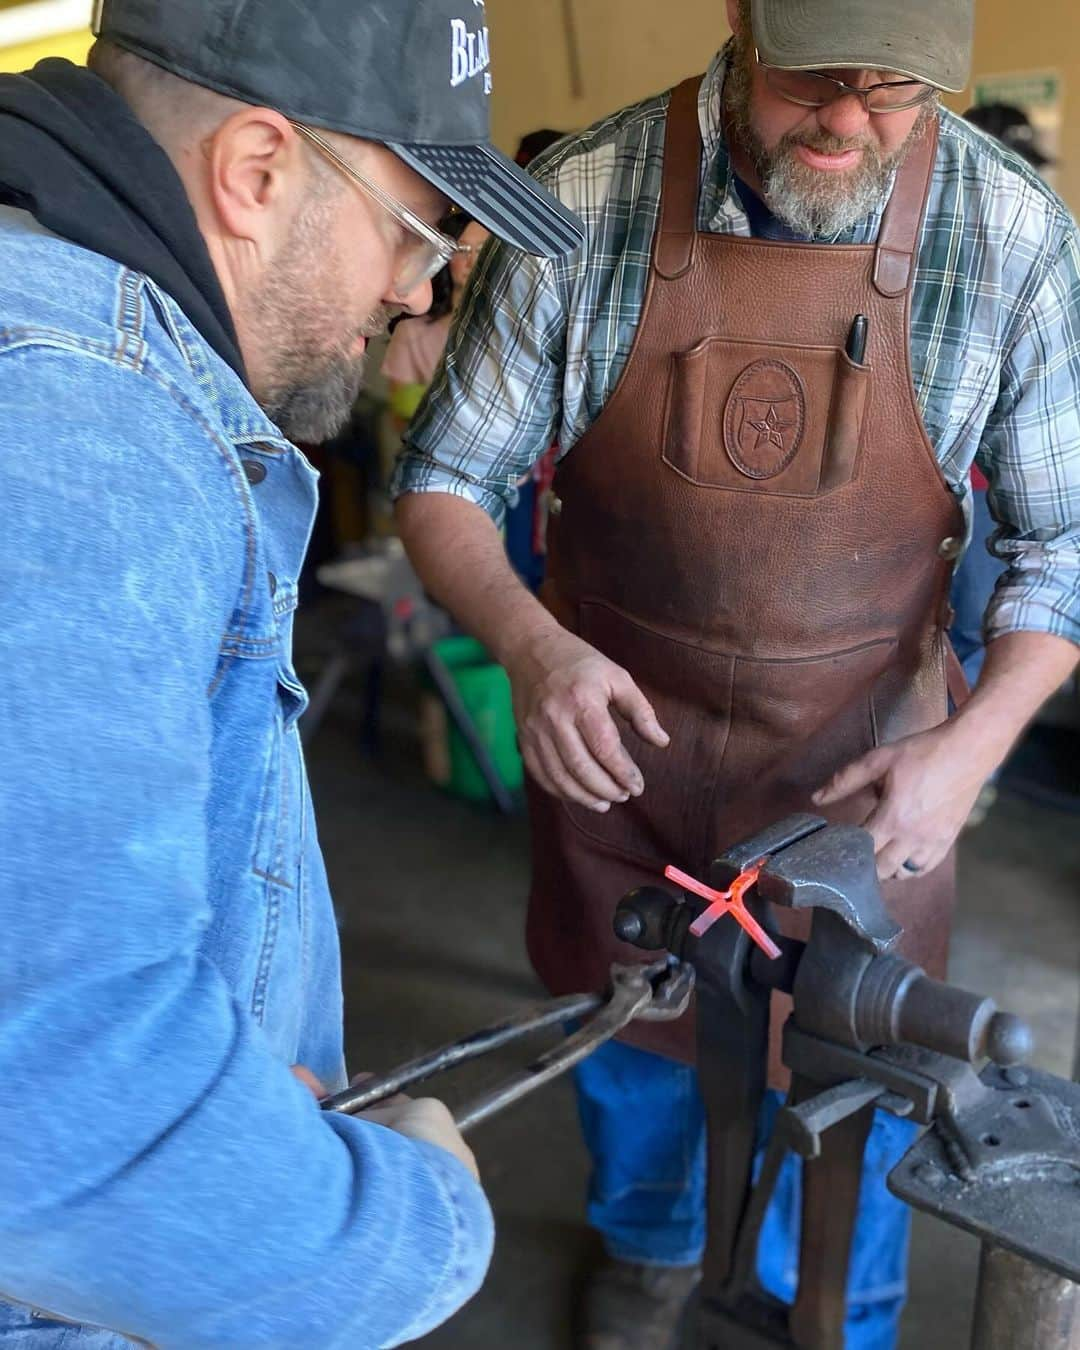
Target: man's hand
(423, 1118)
(426, 1119)
(926, 786)
(564, 691)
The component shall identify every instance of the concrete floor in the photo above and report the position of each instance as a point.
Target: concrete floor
(430, 893)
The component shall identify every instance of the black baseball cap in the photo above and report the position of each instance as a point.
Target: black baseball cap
(927, 40)
(1012, 127)
(414, 75)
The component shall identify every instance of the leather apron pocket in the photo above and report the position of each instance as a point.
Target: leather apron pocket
(798, 721)
(762, 417)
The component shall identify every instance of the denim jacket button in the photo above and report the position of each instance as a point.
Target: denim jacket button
(273, 582)
(255, 471)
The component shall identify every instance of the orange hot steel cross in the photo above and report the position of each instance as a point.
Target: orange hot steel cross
(727, 902)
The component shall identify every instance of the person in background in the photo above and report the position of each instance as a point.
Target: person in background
(416, 347)
(418, 341)
(979, 571)
(534, 143)
(1012, 127)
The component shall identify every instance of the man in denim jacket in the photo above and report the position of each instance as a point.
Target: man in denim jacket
(196, 241)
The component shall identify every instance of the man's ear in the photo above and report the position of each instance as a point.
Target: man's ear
(733, 17)
(255, 168)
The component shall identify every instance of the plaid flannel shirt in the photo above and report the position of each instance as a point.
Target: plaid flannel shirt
(995, 339)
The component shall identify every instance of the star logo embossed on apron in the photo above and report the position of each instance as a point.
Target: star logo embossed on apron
(770, 428)
(764, 419)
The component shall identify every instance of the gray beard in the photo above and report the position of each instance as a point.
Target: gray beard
(317, 407)
(825, 212)
(811, 202)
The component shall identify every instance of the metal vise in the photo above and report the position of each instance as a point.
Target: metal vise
(868, 1030)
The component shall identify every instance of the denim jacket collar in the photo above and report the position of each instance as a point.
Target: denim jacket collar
(241, 419)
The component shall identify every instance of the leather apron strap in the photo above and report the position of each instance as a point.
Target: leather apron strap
(901, 225)
(898, 237)
(676, 228)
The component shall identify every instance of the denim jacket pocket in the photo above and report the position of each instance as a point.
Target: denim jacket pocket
(264, 680)
(279, 833)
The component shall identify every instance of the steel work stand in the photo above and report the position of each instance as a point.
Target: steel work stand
(869, 1030)
(393, 620)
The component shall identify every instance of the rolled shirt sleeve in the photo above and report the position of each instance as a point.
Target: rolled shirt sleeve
(1030, 452)
(494, 404)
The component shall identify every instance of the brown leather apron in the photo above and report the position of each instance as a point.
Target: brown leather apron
(757, 529)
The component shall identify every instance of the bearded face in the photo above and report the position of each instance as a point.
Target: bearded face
(307, 323)
(814, 201)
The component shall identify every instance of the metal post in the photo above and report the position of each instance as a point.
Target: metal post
(322, 695)
(1020, 1306)
(573, 50)
(830, 1204)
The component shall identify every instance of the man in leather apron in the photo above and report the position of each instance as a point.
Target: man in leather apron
(750, 551)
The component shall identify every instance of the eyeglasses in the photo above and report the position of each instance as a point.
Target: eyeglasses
(815, 89)
(425, 250)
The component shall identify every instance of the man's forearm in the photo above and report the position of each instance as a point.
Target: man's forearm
(565, 691)
(459, 555)
(1021, 671)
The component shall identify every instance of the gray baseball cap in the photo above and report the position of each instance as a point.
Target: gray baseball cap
(927, 40)
(414, 75)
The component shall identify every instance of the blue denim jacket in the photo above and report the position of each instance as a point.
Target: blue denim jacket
(167, 943)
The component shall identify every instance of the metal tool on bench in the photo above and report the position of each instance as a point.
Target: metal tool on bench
(657, 992)
(868, 1029)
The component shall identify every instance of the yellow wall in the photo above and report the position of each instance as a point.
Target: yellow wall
(72, 45)
(631, 48)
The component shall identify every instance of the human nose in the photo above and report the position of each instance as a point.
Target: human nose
(416, 301)
(846, 116)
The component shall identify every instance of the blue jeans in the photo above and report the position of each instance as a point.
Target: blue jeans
(973, 585)
(644, 1124)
